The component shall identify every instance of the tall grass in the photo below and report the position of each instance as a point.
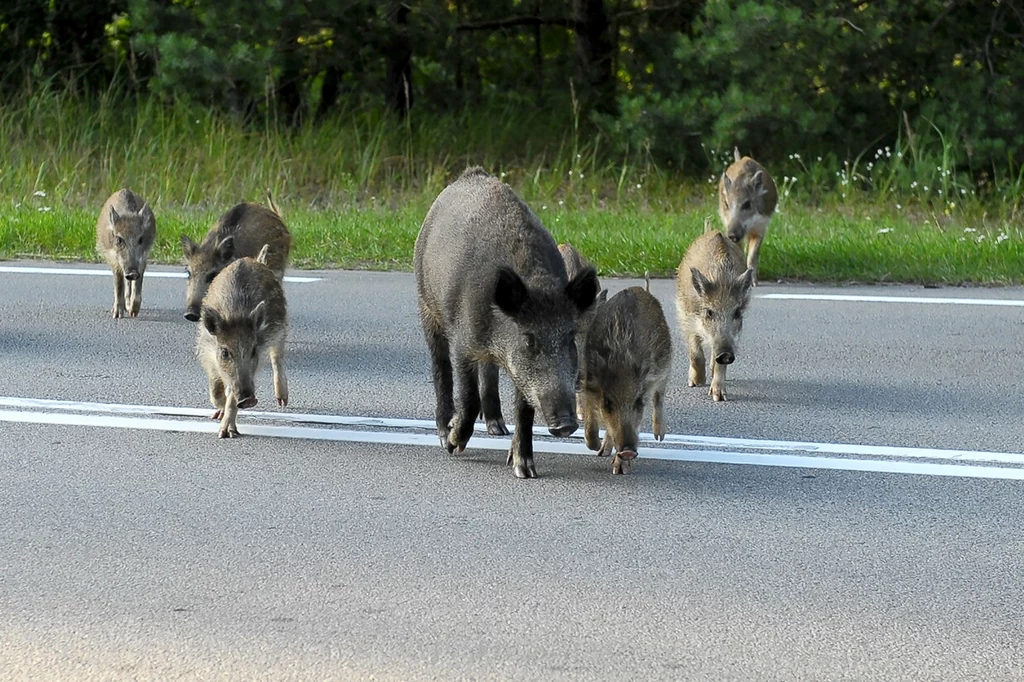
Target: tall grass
(355, 187)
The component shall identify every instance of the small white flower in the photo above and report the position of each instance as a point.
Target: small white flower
(44, 209)
(979, 238)
(913, 184)
(561, 202)
(638, 185)
(885, 230)
(819, 158)
(581, 175)
(962, 239)
(1002, 238)
(898, 207)
(543, 208)
(925, 188)
(39, 193)
(969, 229)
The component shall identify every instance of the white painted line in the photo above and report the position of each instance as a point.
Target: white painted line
(502, 444)
(893, 452)
(895, 299)
(164, 274)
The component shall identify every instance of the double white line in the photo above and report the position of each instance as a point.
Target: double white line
(848, 457)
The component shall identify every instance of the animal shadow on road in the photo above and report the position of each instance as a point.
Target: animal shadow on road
(904, 399)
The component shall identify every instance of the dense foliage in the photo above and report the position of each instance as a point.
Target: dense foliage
(671, 79)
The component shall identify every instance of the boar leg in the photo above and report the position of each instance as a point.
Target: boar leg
(118, 310)
(753, 252)
(228, 427)
(591, 426)
(717, 389)
(698, 365)
(277, 365)
(135, 302)
(469, 403)
(217, 396)
(491, 399)
(440, 361)
(658, 418)
(520, 455)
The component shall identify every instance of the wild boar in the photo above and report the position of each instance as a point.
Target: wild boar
(240, 232)
(244, 317)
(746, 203)
(712, 292)
(125, 233)
(624, 367)
(492, 289)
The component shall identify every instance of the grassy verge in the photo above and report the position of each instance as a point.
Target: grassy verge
(808, 244)
(355, 189)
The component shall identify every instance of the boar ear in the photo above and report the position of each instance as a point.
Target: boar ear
(226, 249)
(262, 257)
(259, 316)
(744, 282)
(602, 297)
(510, 294)
(211, 320)
(188, 246)
(758, 181)
(582, 289)
(736, 154)
(726, 182)
(114, 217)
(700, 283)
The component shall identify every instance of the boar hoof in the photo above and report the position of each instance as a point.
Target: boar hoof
(525, 470)
(496, 427)
(229, 432)
(604, 451)
(717, 396)
(117, 313)
(217, 414)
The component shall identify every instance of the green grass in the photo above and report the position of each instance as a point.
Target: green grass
(355, 189)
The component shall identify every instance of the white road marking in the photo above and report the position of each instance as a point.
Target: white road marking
(894, 299)
(165, 274)
(66, 413)
(716, 442)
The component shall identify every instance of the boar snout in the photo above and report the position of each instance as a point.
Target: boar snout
(132, 274)
(725, 358)
(192, 314)
(735, 234)
(563, 426)
(247, 402)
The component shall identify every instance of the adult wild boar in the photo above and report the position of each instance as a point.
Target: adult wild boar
(493, 289)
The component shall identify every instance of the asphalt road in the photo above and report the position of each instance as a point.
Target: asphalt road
(152, 554)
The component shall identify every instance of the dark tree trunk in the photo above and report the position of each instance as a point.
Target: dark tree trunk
(538, 57)
(595, 52)
(398, 53)
(328, 92)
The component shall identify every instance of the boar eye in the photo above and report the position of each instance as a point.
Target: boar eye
(745, 206)
(607, 405)
(531, 341)
(254, 349)
(225, 354)
(140, 240)
(737, 315)
(120, 241)
(639, 404)
(709, 313)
